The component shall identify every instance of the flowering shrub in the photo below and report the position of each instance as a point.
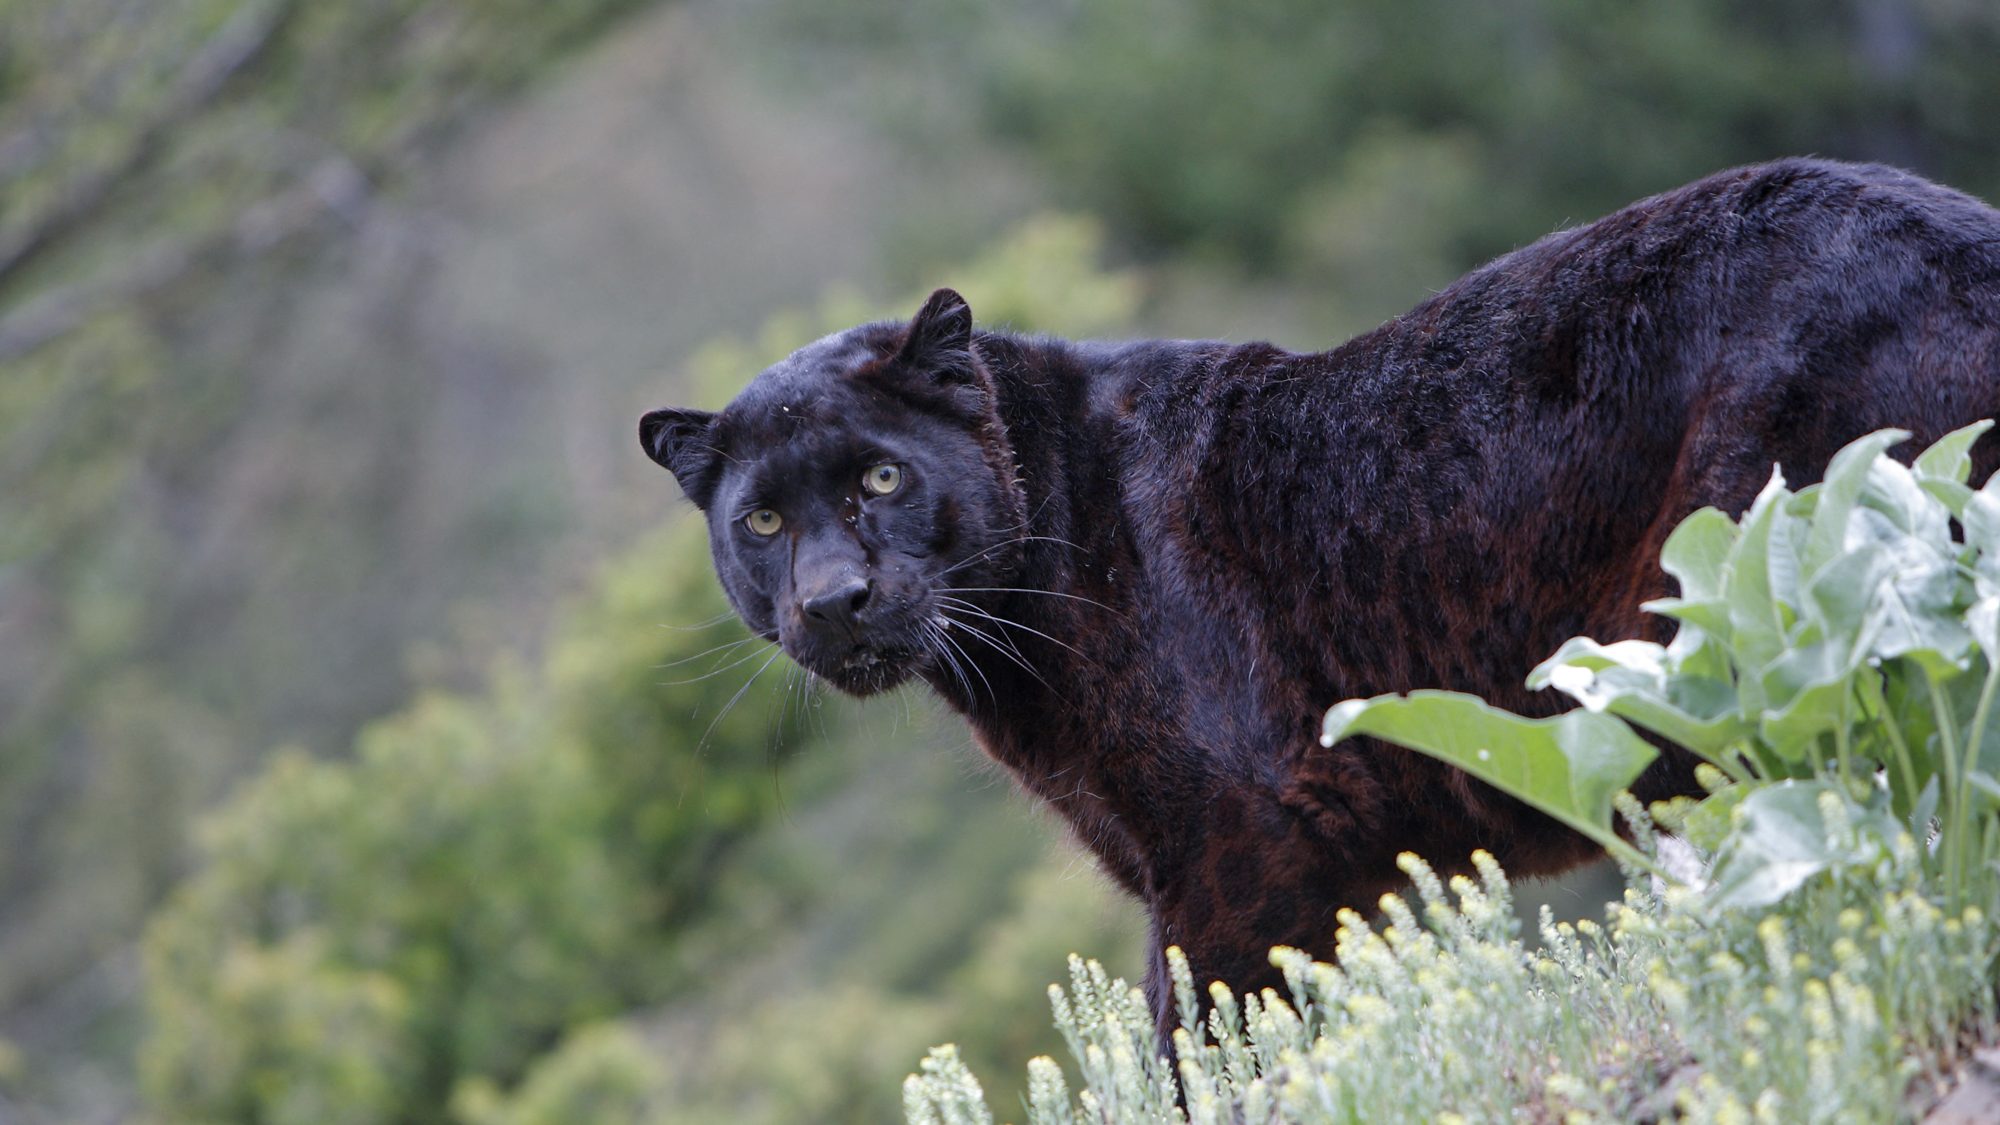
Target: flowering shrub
(1835, 667)
(1827, 1011)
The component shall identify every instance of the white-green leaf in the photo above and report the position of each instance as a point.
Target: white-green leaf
(1568, 767)
(1893, 491)
(1779, 839)
(1983, 619)
(1756, 622)
(1921, 611)
(1981, 519)
(1696, 551)
(1631, 679)
(1950, 457)
(1708, 824)
(1845, 593)
(1988, 787)
(1950, 493)
(1846, 475)
(1712, 616)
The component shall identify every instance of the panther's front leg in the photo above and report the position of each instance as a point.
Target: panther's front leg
(1261, 877)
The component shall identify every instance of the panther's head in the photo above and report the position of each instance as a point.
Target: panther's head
(856, 492)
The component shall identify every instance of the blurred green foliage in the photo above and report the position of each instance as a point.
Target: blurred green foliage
(438, 927)
(1376, 146)
(485, 873)
(185, 555)
(602, 1072)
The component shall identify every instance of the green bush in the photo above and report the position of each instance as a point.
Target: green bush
(603, 1072)
(486, 873)
(1836, 667)
(1827, 1011)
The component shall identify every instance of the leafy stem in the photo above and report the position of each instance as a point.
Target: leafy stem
(1948, 750)
(1961, 798)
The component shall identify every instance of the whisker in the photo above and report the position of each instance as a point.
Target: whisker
(809, 712)
(963, 607)
(773, 746)
(737, 663)
(791, 695)
(984, 551)
(1016, 624)
(735, 699)
(797, 683)
(935, 650)
(1007, 650)
(1027, 590)
(954, 662)
(1031, 517)
(950, 662)
(973, 664)
(708, 624)
(724, 647)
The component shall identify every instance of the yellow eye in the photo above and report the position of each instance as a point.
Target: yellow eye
(763, 521)
(882, 479)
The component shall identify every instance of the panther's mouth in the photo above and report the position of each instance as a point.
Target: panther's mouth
(866, 670)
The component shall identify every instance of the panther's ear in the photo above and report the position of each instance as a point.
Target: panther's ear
(942, 327)
(940, 339)
(684, 441)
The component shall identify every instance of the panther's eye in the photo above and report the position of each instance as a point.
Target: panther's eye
(763, 521)
(882, 479)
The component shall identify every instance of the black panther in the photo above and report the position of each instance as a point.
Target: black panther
(1143, 571)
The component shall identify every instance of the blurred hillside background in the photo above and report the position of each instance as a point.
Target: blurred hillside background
(366, 748)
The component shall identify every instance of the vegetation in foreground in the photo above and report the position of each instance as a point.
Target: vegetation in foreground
(1836, 666)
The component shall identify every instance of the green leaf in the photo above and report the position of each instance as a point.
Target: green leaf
(1699, 654)
(1950, 457)
(1756, 622)
(1711, 616)
(1779, 839)
(1923, 590)
(1779, 843)
(1923, 808)
(1981, 520)
(1920, 616)
(1785, 561)
(1568, 767)
(1805, 688)
(1981, 517)
(1843, 593)
(1983, 619)
(1633, 680)
(1950, 493)
(1581, 652)
(1988, 788)
(1697, 550)
(1892, 490)
(1708, 825)
(1846, 476)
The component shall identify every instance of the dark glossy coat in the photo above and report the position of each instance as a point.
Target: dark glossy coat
(1241, 536)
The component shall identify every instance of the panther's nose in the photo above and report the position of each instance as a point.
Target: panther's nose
(838, 606)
